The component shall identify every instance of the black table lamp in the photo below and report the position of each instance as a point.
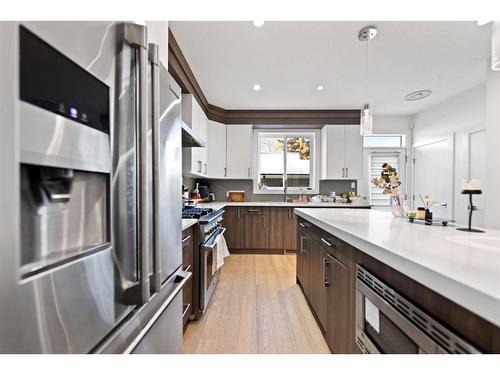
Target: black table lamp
(472, 208)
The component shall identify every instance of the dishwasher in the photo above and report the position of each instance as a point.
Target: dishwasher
(387, 322)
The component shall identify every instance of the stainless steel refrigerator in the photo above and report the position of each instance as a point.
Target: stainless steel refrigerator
(90, 148)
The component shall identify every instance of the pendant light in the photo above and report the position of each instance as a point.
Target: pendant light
(366, 125)
(366, 120)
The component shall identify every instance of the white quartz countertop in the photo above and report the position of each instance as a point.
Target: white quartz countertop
(462, 266)
(186, 223)
(219, 205)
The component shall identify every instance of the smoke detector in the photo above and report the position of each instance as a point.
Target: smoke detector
(367, 33)
(417, 95)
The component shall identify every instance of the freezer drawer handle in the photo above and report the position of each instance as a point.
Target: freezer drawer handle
(184, 278)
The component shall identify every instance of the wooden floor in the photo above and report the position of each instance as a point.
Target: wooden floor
(256, 308)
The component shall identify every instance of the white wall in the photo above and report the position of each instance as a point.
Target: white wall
(382, 125)
(460, 115)
(492, 186)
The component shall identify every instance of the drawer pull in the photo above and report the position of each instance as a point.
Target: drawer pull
(326, 242)
(304, 225)
(186, 238)
(250, 210)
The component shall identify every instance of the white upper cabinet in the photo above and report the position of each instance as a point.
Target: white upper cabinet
(332, 152)
(239, 151)
(216, 148)
(341, 152)
(353, 153)
(195, 159)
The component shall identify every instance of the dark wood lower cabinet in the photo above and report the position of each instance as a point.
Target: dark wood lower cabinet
(338, 330)
(232, 224)
(260, 228)
(187, 264)
(254, 228)
(326, 271)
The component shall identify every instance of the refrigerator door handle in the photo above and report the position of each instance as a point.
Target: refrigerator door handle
(155, 125)
(136, 37)
(182, 278)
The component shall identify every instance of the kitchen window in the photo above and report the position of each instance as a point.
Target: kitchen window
(286, 159)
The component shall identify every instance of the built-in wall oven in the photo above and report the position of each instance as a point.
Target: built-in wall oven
(387, 322)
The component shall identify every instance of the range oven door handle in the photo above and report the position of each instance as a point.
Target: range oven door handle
(214, 242)
(155, 144)
(135, 36)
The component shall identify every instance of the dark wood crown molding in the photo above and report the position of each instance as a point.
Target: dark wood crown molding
(182, 73)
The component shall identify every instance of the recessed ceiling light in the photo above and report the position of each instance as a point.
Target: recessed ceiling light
(258, 23)
(417, 95)
(483, 22)
(256, 87)
(320, 88)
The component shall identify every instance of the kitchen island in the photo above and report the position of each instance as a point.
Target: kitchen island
(454, 276)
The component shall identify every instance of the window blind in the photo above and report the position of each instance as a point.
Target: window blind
(377, 159)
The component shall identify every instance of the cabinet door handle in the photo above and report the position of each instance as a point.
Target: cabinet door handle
(225, 171)
(304, 225)
(199, 166)
(206, 168)
(248, 171)
(302, 240)
(186, 238)
(347, 172)
(253, 210)
(327, 243)
(343, 172)
(326, 263)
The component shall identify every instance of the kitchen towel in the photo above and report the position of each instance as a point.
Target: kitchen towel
(222, 251)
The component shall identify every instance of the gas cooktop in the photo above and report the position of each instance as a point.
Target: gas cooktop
(195, 213)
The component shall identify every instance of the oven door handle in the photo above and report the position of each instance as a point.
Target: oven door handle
(214, 242)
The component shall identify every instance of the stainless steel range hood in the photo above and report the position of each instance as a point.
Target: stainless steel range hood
(189, 139)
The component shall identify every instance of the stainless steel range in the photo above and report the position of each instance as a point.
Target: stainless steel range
(206, 274)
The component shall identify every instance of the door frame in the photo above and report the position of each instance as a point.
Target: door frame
(451, 139)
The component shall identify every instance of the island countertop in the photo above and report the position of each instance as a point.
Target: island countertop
(463, 267)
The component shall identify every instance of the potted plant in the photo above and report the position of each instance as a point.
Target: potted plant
(390, 183)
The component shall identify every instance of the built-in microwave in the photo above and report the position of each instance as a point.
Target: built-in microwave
(387, 322)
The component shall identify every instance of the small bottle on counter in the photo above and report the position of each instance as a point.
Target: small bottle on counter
(428, 217)
(421, 213)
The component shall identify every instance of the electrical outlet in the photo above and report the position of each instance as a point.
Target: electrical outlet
(353, 185)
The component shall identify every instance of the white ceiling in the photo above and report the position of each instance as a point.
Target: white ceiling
(289, 59)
